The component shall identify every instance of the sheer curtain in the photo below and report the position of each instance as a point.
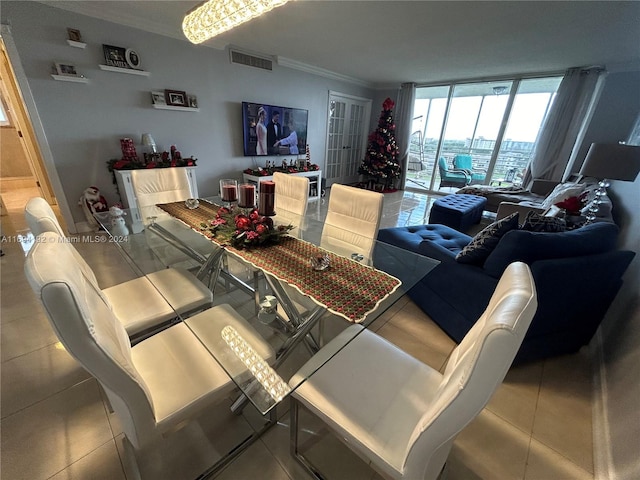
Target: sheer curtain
(563, 124)
(404, 119)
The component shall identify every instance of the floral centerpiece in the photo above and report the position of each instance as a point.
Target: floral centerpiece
(244, 231)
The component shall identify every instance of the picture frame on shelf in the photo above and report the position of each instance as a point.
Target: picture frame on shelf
(74, 34)
(157, 98)
(66, 69)
(132, 58)
(192, 101)
(175, 98)
(115, 56)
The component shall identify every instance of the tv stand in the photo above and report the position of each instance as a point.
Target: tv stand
(315, 181)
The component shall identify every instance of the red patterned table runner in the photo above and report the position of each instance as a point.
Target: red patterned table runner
(346, 288)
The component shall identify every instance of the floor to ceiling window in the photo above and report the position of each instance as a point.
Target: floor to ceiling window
(495, 123)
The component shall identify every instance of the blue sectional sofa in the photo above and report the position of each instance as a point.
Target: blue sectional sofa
(577, 275)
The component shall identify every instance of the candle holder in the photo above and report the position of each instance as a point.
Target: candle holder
(247, 196)
(266, 202)
(229, 191)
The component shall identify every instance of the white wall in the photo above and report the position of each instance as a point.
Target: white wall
(84, 122)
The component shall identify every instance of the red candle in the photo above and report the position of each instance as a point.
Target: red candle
(268, 186)
(247, 196)
(266, 205)
(229, 193)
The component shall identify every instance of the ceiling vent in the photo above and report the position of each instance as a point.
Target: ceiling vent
(251, 60)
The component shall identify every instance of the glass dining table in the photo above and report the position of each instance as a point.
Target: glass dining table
(298, 293)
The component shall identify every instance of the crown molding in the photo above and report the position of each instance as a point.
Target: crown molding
(305, 67)
(92, 9)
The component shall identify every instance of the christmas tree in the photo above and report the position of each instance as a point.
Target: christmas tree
(380, 161)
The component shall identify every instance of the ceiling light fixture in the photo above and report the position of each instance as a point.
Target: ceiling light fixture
(216, 16)
(500, 89)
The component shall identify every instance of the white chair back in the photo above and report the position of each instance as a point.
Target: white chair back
(41, 218)
(83, 320)
(292, 196)
(353, 220)
(476, 368)
(159, 185)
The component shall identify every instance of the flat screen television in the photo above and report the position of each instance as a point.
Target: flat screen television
(272, 130)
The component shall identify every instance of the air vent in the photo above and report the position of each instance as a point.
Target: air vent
(251, 60)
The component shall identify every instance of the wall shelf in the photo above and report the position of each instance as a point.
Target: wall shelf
(130, 71)
(75, 44)
(174, 107)
(66, 78)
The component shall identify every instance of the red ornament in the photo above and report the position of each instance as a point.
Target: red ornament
(242, 222)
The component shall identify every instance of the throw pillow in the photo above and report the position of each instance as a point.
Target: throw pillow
(562, 192)
(534, 222)
(484, 242)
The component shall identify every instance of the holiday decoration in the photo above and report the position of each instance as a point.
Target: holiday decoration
(92, 202)
(244, 230)
(380, 161)
(118, 224)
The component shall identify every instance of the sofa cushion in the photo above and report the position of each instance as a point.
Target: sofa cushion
(528, 247)
(484, 242)
(534, 222)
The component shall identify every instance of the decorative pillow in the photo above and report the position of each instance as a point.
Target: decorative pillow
(605, 206)
(484, 242)
(534, 222)
(562, 192)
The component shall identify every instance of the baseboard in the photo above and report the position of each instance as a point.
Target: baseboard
(603, 467)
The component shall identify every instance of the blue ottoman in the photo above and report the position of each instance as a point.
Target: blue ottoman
(458, 211)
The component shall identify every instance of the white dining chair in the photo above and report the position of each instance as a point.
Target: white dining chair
(166, 185)
(399, 414)
(291, 200)
(159, 384)
(143, 305)
(352, 222)
(159, 185)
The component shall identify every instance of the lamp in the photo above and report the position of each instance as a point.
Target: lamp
(214, 17)
(148, 141)
(609, 162)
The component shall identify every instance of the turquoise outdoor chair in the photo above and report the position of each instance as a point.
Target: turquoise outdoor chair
(452, 177)
(465, 162)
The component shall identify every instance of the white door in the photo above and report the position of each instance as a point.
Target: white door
(348, 124)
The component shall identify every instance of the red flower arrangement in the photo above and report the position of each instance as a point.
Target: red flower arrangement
(573, 205)
(244, 231)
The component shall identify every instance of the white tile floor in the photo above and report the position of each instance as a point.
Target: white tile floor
(55, 424)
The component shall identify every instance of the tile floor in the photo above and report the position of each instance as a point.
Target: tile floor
(55, 425)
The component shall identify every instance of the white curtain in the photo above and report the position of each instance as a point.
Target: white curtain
(559, 133)
(404, 120)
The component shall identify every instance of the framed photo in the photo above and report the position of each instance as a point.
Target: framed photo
(132, 58)
(66, 70)
(157, 98)
(176, 98)
(74, 35)
(193, 101)
(115, 56)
